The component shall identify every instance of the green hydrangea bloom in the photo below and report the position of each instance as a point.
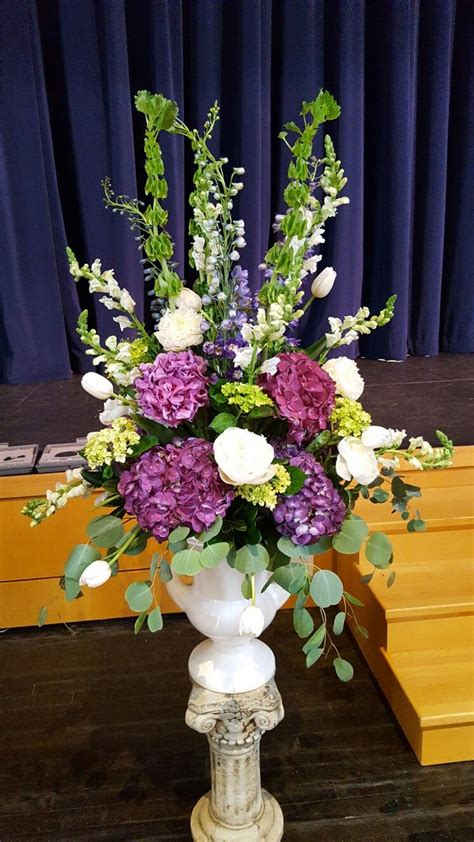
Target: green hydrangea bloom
(139, 352)
(112, 444)
(267, 493)
(349, 418)
(245, 395)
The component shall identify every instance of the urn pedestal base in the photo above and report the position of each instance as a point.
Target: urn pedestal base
(236, 809)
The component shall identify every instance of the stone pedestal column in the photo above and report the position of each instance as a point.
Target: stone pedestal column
(236, 809)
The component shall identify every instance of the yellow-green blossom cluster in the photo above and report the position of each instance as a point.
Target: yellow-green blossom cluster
(267, 493)
(246, 396)
(113, 444)
(139, 353)
(349, 418)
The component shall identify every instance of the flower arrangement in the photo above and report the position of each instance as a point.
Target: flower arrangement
(223, 439)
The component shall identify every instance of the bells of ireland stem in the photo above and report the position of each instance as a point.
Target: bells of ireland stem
(97, 386)
(323, 283)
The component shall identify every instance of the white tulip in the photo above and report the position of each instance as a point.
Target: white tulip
(188, 298)
(323, 283)
(345, 374)
(382, 437)
(96, 574)
(113, 409)
(356, 461)
(251, 621)
(97, 386)
(243, 457)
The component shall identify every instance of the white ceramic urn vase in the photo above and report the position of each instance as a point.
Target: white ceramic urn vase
(232, 659)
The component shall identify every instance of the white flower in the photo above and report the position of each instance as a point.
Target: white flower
(243, 357)
(113, 409)
(240, 243)
(251, 621)
(382, 437)
(243, 457)
(188, 298)
(96, 574)
(356, 461)
(179, 329)
(108, 302)
(311, 264)
(295, 244)
(97, 386)
(234, 255)
(239, 170)
(123, 322)
(323, 283)
(270, 366)
(346, 376)
(316, 237)
(95, 268)
(126, 301)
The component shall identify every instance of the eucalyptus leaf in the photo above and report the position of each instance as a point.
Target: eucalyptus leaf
(164, 571)
(179, 534)
(79, 558)
(316, 639)
(186, 562)
(246, 587)
(139, 622)
(398, 488)
(366, 578)
(72, 588)
(154, 564)
(213, 530)
(291, 577)
(344, 670)
(362, 631)
(139, 596)
(353, 532)
(288, 548)
(313, 655)
(326, 588)
(391, 578)
(42, 616)
(353, 599)
(252, 558)
(339, 621)
(303, 622)
(213, 554)
(105, 530)
(379, 550)
(155, 620)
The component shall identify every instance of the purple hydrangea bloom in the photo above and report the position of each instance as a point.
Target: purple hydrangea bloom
(175, 485)
(304, 394)
(314, 511)
(172, 388)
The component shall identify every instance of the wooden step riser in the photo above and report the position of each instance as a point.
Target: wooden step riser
(442, 632)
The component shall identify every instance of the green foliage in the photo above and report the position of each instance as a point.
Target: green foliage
(212, 532)
(303, 622)
(139, 596)
(42, 616)
(338, 624)
(105, 530)
(353, 599)
(155, 620)
(353, 532)
(313, 655)
(246, 587)
(297, 477)
(79, 558)
(139, 622)
(71, 588)
(291, 577)
(164, 571)
(344, 670)
(178, 534)
(163, 434)
(251, 558)
(187, 562)
(222, 421)
(326, 588)
(316, 639)
(213, 554)
(379, 550)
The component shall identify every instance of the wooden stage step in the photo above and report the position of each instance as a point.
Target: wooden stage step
(421, 630)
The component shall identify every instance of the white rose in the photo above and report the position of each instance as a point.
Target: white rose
(356, 461)
(382, 437)
(188, 298)
(270, 366)
(243, 457)
(179, 329)
(243, 357)
(96, 574)
(97, 386)
(251, 621)
(323, 283)
(346, 376)
(113, 409)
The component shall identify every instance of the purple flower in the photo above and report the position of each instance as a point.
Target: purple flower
(314, 511)
(304, 394)
(175, 485)
(172, 388)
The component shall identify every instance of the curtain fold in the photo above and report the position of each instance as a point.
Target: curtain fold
(402, 71)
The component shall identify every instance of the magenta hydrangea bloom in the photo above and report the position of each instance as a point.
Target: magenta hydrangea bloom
(304, 394)
(172, 388)
(175, 485)
(314, 511)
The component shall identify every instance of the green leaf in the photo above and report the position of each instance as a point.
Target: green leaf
(213, 554)
(252, 558)
(246, 587)
(362, 631)
(222, 421)
(137, 546)
(391, 578)
(379, 550)
(353, 532)
(416, 525)
(297, 477)
(326, 588)
(154, 564)
(164, 572)
(213, 530)
(303, 622)
(80, 557)
(72, 588)
(353, 599)
(398, 488)
(139, 622)
(179, 534)
(367, 578)
(162, 433)
(145, 443)
(412, 490)
(187, 562)
(380, 495)
(42, 616)
(261, 411)
(288, 548)
(312, 656)
(339, 621)
(177, 546)
(291, 577)
(344, 670)
(155, 620)
(315, 639)
(105, 530)
(139, 597)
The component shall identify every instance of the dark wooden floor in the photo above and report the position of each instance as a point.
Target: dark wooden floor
(420, 395)
(93, 745)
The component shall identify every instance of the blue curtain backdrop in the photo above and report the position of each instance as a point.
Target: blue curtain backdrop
(402, 70)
